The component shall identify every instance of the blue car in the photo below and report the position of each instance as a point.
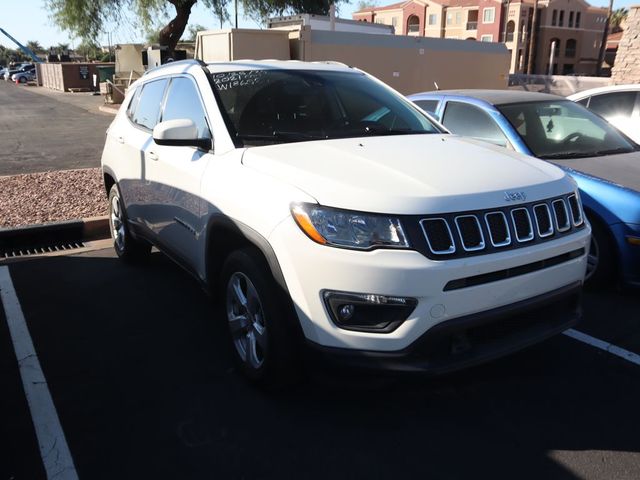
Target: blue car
(603, 161)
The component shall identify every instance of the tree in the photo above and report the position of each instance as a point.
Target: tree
(86, 18)
(193, 32)
(366, 4)
(89, 50)
(617, 17)
(35, 46)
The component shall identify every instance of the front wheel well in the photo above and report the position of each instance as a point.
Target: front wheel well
(109, 182)
(226, 236)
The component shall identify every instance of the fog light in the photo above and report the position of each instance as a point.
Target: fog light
(364, 312)
(346, 312)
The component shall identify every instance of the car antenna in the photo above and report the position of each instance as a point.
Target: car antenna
(436, 85)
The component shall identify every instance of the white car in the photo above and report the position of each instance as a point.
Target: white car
(619, 105)
(327, 211)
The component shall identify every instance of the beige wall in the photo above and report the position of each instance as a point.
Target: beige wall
(410, 64)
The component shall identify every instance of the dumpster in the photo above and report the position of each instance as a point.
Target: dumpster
(106, 73)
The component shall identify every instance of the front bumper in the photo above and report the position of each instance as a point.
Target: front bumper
(463, 342)
(629, 253)
(309, 269)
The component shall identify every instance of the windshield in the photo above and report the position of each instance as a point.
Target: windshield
(564, 129)
(275, 106)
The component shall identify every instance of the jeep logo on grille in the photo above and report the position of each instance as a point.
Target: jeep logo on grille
(515, 196)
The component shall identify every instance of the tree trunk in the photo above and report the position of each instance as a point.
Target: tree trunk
(170, 34)
(603, 45)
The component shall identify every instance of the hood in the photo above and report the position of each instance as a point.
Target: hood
(622, 169)
(408, 174)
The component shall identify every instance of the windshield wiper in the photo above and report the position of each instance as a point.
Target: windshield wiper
(280, 135)
(566, 155)
(382, 130)
(613, 151)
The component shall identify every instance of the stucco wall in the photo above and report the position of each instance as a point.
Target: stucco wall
(627, 66)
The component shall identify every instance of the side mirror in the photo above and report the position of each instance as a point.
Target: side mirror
(179, 133)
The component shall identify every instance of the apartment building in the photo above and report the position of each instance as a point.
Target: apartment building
(568, 32)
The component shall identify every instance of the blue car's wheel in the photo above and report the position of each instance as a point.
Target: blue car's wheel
(601, 260)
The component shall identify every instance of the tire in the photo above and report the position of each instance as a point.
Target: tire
(22, 79)
(601, 268)
(127, 248)
(264, 346)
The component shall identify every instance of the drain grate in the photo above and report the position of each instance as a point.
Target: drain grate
(22, 251)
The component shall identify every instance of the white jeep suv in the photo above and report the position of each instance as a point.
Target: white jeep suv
(327, 211)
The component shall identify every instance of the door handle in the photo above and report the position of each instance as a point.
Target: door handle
(152, 156)
(120, 139)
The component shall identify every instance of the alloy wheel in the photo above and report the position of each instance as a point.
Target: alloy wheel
(246, 320)
(117, 223)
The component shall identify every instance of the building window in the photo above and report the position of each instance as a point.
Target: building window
(488, 15)
(433, 19)
(567, 69)
(486, 38)
(511, 26)
(413, 24)
(561, 21)
(577, 19)
(472, 20)
(570, 48)
(458, 18)
(570, 24)
(554, 18)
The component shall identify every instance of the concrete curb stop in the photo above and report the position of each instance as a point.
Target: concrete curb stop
(50, 237)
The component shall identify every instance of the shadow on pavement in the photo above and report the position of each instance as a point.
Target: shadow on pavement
(140, 372)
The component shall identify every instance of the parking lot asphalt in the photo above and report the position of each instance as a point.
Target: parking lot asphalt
(141, 376)
(46, 130)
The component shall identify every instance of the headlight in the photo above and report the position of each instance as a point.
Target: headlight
(343, 228)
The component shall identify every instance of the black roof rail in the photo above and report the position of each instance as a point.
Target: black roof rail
(190, 61)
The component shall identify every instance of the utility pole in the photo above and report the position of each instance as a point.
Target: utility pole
(605, 35)
(552, 58)
(532, 37)
(236, 5)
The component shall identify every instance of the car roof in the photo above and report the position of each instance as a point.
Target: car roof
(494, 97)
(607, 89)
(183, 66)
(239, 65)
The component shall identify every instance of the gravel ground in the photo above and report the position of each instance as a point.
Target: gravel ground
(51, 197)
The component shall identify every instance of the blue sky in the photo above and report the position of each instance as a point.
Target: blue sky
(28, 20)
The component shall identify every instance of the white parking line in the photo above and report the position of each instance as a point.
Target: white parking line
(602, 345)
(54, 450)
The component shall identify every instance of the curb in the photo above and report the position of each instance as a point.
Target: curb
(109, 109)
(52, 235)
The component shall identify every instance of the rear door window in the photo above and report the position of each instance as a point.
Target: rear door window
(148, 109)
(428, 105)
(615, 104)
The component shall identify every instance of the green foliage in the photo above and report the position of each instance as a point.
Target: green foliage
(86, 18)
(8, 55)
(34, 46)
(192, 32)
(364, 4)
(617, 17)
(89, 50)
